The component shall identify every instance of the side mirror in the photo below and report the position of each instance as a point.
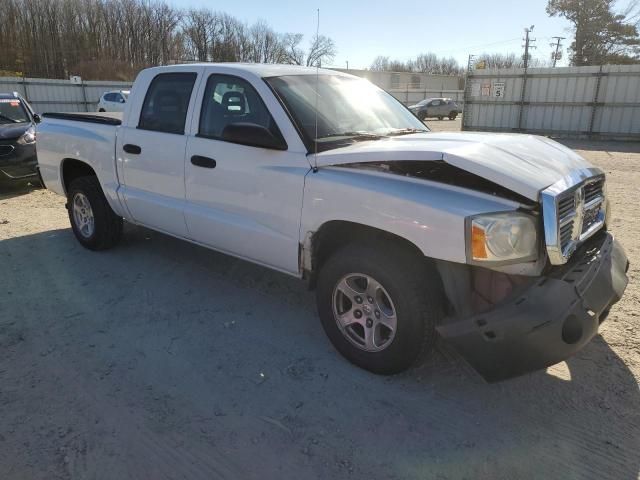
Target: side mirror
(122, 100)
(253, 135)
(36, 118)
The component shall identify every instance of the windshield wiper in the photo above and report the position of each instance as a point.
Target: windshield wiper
(353, 135)
(406, 131)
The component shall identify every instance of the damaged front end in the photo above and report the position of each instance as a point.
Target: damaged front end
(506, 325)
(517, 306)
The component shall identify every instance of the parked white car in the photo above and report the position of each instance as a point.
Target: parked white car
(498, 242)
(113, 101)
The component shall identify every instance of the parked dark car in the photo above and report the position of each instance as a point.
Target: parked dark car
(17, 138)
(436, 108)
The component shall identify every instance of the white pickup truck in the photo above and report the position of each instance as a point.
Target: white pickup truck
(497, 242)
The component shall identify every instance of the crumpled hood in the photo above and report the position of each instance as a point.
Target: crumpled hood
(525, 164)
(9, 131)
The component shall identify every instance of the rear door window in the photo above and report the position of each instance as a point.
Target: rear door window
(166, 103)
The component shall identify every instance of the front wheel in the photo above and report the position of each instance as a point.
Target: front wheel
(94, 223)
(453, 115)
(379, 304)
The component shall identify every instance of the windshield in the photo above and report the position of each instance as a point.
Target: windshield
(349, 110)
(12, 111)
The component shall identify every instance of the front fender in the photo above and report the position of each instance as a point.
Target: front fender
(428, 214)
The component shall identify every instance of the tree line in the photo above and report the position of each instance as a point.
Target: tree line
(114, 39)
(423, 63)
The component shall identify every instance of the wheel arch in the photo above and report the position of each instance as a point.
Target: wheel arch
(71, 168)
(334, 234)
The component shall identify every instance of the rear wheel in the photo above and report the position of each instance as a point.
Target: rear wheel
(379, 304)
(101, 110)
(422, 116)
(440, 118)
(453, 115)
(94, 223)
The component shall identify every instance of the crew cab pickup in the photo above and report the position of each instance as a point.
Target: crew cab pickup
(498, 242)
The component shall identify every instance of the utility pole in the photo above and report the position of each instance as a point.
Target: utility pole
(557, 55)
(348, 65)
(470, 62)
(527, 45)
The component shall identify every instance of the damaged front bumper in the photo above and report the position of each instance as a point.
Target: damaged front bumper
(551, 320)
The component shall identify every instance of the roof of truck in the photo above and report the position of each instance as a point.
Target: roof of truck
(268, 69)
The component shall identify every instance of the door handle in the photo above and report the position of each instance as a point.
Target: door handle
(204, 162)
(132, 149)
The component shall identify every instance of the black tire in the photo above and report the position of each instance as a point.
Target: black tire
(440, 118)
(422, 116)
(101, 110)
(453, 115)
(107, 229)
(412, 285)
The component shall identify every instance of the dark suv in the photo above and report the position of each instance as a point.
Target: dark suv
(17, 138)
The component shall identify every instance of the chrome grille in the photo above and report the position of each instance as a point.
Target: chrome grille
(573, 210)
(593, 190)
(566, 207)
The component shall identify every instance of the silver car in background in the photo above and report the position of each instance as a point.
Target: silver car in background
(436, 108)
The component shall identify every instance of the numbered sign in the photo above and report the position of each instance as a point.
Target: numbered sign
(497, 89)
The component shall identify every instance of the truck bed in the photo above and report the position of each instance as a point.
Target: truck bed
(85, 137)
(105, 118)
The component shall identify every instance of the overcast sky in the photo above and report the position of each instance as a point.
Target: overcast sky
(363, 29)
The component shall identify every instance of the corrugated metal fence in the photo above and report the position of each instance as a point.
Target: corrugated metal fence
(47, 95)
(594, 102)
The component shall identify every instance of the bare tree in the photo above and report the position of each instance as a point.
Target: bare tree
(293, 53)
(423, 63)
(322, 49)
(380, 64)
(507, 60)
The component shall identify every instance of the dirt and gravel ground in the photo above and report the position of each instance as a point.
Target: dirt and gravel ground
(163, 360)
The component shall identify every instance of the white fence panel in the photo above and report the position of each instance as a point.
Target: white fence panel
(576, 101)
(49, 95)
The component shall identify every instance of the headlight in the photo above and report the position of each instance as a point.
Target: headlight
(28, 137)
(502, 238)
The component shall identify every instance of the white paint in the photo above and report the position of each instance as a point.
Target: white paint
(261, 204)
